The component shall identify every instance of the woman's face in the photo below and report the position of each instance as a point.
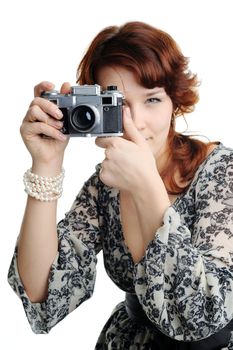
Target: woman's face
(151, 109)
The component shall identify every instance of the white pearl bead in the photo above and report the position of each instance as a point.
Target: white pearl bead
(42, 188)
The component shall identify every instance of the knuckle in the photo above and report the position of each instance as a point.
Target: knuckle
(24, 131)
(41, 127)
(32, 113)
(107, 153)
(38, 100)
(114, 142)
(33, 109)
(21, 129)
(26, 117)
(35, 101)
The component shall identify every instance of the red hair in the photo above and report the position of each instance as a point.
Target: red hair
(156, 60)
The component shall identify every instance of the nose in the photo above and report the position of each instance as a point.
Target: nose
(137, 117)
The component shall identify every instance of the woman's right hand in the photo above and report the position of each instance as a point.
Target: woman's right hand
(40, 128)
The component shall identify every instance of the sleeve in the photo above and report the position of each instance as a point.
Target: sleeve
(73, 272)
(184, 282)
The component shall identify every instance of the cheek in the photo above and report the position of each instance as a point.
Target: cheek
(162, 119)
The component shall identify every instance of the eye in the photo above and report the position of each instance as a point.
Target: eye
(153, 100)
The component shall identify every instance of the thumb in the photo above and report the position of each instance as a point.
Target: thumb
(131, 132)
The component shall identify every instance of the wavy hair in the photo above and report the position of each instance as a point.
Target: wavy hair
(156, 61)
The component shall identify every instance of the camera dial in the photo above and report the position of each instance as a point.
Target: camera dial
(49, 93)
(112, 88)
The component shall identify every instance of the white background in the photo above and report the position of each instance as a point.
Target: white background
(45, 40)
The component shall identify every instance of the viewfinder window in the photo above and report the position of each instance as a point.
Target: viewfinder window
(107, 100)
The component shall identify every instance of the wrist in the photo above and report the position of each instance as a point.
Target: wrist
(50, 169)
(145, 182)
(151, 187)
(43, 188)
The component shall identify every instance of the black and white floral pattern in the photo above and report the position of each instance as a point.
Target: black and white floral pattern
(184, 282)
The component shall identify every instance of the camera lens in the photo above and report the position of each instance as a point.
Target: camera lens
(83, 118)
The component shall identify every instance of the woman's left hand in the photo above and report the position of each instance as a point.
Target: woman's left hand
(129, 161)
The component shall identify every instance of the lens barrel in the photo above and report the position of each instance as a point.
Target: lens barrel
(83, 118)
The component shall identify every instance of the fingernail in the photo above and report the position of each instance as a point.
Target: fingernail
(62, 137)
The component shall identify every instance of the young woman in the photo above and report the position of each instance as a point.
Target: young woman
(160, 206)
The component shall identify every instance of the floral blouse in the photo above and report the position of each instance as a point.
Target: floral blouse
(184, 282)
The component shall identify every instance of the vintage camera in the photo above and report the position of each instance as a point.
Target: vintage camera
(89, 111)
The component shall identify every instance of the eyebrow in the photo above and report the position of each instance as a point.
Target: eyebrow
(148, 94)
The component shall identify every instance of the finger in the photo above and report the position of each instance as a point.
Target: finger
(31, 129)
(47, 106)
(35, 114)
(105, 142)
(130, 129)
(65, 88)
(43, 86)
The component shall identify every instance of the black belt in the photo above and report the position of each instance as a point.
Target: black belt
(162, 341)
(135, 310)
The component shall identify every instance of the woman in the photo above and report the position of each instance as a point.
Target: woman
(159, 205)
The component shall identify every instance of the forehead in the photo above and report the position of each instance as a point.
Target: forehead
(124, 79)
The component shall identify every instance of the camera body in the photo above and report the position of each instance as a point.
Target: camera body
(89, 111)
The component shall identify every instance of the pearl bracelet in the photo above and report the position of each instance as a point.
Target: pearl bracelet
(45, 189)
